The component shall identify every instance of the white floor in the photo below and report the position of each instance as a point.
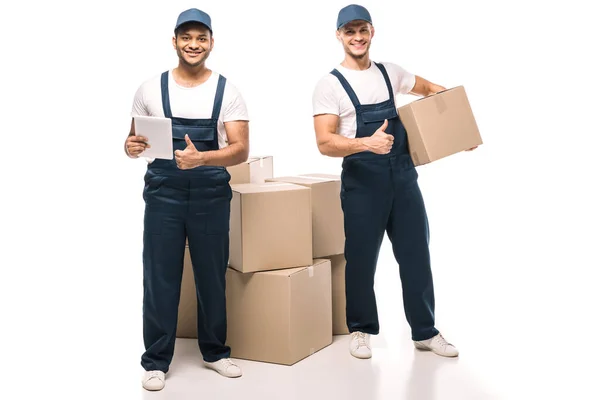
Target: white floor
(514, 335)
(394, 372)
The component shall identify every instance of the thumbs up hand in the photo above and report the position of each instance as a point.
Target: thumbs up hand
(189, 143)
(380, 142)
(190, 157)
(384, 126)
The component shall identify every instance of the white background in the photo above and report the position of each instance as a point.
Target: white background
(514, 224)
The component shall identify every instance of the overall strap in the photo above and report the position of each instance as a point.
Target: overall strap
(387, 80)
(164, 88)
(347, 88)
(218, 98)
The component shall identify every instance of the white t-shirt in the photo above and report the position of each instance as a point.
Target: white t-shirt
(329, 97)
(193, 103)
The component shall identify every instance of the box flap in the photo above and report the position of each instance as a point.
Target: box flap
(306, 179)
(283, 272)
(292, 271)
(252, 159)
(257, 158)
(460, 87)
(261, 160)
(246, 188)
(325, 177)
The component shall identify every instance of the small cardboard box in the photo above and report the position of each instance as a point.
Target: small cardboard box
(439, 125)
(253, 170)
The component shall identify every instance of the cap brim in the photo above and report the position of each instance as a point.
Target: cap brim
(357, 19)
(193, 21)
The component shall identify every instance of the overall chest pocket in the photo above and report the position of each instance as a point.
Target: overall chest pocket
(196, 133)
(378, 113)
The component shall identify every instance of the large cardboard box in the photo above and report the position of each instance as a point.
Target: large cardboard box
(439, 125)
(338, 293)
(187, 315)
(254, 170)
(280, 316)
(327, 216)
(270, 227)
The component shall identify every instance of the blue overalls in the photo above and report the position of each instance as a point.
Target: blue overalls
(179, 203)
(380, 194)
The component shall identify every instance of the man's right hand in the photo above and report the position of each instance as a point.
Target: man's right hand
(135, 145)
(380, 142)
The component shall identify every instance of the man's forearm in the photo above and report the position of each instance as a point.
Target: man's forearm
(235, 153)
(425, 88)
(340, 146)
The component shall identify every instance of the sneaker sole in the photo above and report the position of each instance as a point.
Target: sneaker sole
(362, 357)
(422, 347)
(152, 389)
(226, 376)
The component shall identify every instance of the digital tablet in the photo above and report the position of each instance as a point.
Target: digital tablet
(159, 133)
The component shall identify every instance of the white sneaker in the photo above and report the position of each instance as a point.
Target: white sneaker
(360, 345)
(438, 345)
(153, 380)
(225, 367)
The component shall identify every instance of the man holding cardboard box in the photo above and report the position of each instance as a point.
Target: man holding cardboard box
(356, 118)
(189, 196)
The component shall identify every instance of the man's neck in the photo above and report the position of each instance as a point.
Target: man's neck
(360, 64)
(191, 76)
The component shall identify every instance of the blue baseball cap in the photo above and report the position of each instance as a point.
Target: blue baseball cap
(352, 12)
(194, 15)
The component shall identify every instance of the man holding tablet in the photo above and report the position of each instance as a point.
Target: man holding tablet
(188, 196)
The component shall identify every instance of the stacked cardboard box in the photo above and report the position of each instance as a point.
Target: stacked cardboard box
(283, 232)
(279, 316)
(270, 227)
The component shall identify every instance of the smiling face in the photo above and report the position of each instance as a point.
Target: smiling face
(356, 38)
(193, 43)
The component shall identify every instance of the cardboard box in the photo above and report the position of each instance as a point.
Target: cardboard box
(270, 227)
(187, 317)
(327, 216)
(253, 170)
(280, 316)
(439, 125)
(338, 293)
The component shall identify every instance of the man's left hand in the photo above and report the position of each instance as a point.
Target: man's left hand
(436, 89)
(188, 158)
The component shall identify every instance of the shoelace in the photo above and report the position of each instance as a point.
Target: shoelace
(154, 374)
(440, 339)
(362, 338)
(227, 362)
